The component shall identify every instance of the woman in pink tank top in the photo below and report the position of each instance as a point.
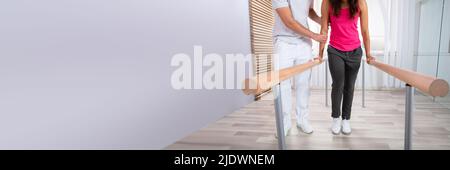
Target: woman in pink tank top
(344, 54)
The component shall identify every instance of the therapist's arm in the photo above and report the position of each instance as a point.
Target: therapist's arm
(288, 20)
(313, 14)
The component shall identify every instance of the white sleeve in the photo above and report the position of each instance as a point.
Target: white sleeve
(279, 4)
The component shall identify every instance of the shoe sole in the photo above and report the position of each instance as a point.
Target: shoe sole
(301, 130)
(340, 130)
(307, 133)
(347, 134)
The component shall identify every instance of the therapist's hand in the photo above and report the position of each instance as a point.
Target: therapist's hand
(320, 38)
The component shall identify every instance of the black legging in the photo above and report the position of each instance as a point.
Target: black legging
(344, 68)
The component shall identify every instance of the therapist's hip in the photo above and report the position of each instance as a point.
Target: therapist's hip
(293, 48)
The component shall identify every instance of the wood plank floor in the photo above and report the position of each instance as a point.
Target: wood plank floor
(378, 126)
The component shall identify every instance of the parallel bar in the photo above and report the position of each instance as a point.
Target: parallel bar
(264, 81)
(279, 118)
(427, 84)
(409, 108)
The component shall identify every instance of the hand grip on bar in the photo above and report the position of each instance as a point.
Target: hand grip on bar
(427, 84)
(265, 81)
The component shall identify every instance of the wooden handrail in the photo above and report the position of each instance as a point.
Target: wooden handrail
(430, 85)
(263, 82)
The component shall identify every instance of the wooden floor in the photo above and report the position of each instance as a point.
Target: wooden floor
(378, 126)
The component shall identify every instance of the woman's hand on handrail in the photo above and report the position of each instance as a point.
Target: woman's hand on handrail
(369, 58)
(319, 58)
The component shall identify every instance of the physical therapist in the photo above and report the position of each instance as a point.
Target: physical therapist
(293, 46)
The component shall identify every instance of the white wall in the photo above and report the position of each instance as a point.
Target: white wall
(430, 18)
(95, 74)
(444, 60)
(430, 22)
(434, 57)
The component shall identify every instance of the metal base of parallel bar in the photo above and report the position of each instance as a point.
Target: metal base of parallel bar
(409, 109)
(279, 118)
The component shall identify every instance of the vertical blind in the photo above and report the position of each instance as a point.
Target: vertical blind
(261, 25)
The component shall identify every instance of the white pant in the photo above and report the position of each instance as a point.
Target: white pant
(290, 52)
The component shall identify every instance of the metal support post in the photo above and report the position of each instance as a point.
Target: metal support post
(409, 109)
(279, 118)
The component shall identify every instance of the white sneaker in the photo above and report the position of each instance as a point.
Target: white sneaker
(336, 127)
(305, 127)
(346, 128)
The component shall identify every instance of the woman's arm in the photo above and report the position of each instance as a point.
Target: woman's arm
(313, 14)
(365, 29)
(288, 20)
(324, 26)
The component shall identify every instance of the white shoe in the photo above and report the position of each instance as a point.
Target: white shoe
(303, 121)
(305, 127)
(336, 127)
(346, 128)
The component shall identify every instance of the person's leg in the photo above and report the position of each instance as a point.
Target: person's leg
(337, 70)
(352, 65)
(284, 59)
(302, 82)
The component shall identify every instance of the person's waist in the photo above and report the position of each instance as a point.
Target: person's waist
(344, 48)
(341, 39)
(292, 38)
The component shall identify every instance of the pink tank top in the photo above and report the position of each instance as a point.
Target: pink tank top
(344, 31)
